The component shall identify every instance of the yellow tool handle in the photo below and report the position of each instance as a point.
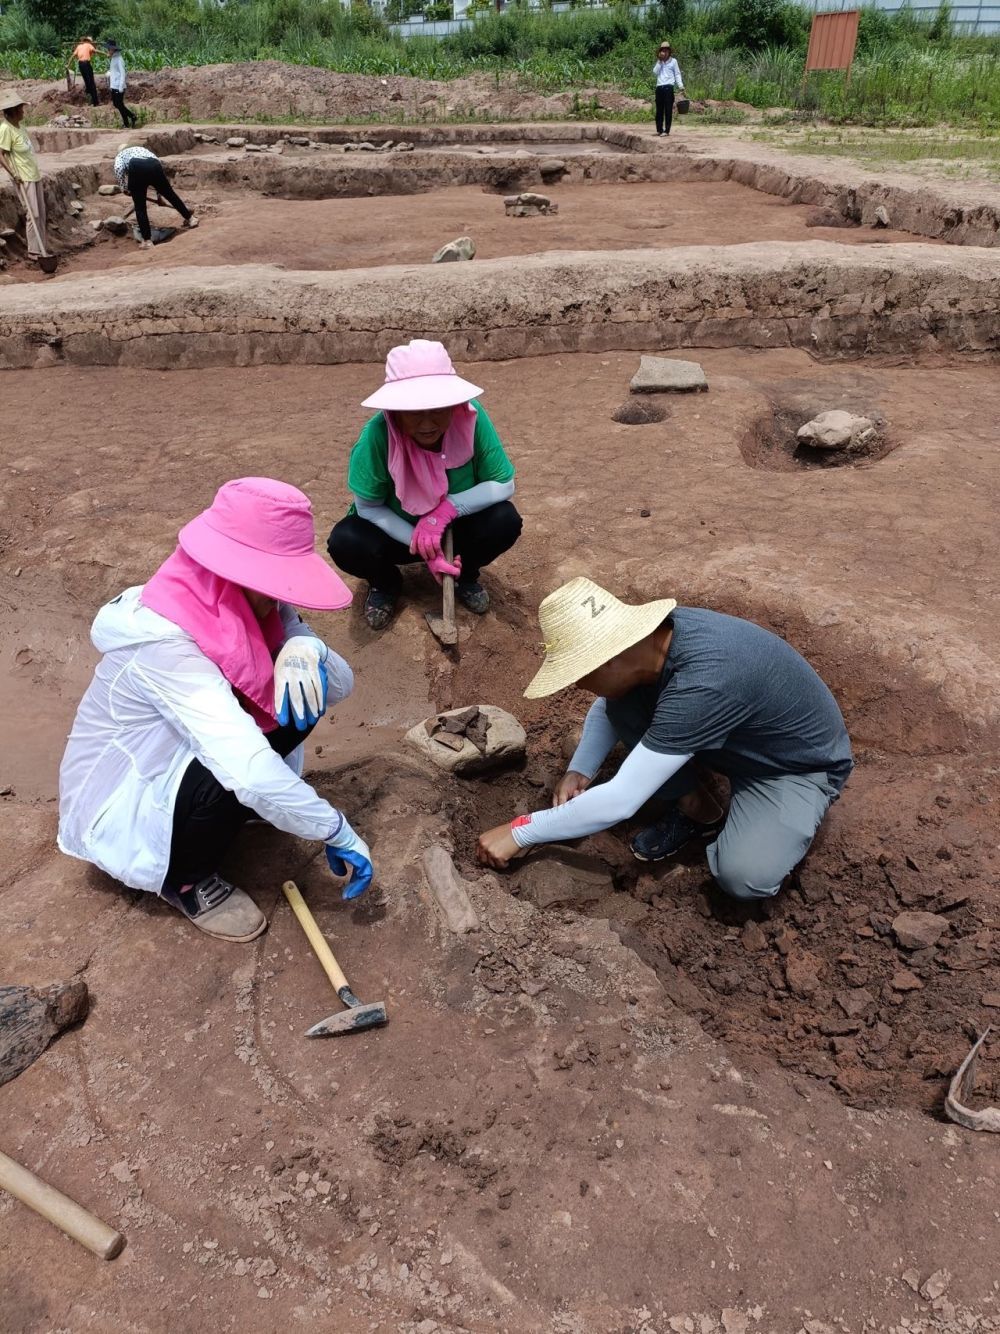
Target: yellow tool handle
(322, 950)
(59, 1209)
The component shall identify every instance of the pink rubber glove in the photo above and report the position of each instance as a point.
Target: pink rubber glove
(439, 565)
(429, 530)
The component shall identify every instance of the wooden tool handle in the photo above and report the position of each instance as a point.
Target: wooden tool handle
(448, 582)
(321, 949)
(59, 1209)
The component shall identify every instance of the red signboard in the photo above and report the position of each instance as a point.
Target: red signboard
(832, 40)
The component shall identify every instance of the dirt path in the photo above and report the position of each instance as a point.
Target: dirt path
(557, 1131)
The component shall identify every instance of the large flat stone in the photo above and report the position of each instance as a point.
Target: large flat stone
(668, 375)
(505, 742)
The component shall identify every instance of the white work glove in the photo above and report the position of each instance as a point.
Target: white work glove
(300, 684)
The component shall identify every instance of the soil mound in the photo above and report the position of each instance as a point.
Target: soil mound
(274, 89)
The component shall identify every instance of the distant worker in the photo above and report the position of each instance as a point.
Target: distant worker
(429, 460)
(17, 157)
(667, 74)
(116, 83)
(138, 170)
(83, 54)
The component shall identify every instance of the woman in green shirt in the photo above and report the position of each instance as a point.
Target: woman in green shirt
(18, 159)
(429, 459)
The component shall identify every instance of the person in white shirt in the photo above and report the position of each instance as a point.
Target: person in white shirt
(667, 74)
(137, 171)
(116, 84)
(195, 718)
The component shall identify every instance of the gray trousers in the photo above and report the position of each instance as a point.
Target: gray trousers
(770, 825)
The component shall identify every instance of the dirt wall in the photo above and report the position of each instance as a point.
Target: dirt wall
(833, 300)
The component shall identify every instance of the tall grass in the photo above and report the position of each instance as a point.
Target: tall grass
(906, 72)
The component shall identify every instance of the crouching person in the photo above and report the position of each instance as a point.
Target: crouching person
(686, 690)
(194, 721)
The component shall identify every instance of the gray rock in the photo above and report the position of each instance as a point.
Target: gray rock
(562, 875)
(254, 148)
(881, 216)
(363, 147)
(236, 142)
(668, 375)
(836, 430)
(404, 147)
(449, 891)
(505, 743)
(463, 247)
(299, 140)
(107, 189)
(115, 225)
(528, 205)
(919, 930)
(552, 169)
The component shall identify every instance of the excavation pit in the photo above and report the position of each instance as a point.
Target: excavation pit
(773, 443)
(652, 1062)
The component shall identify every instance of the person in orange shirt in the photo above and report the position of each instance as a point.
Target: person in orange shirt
(83, 54)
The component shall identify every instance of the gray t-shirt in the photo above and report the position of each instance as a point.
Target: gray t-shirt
(742, 700)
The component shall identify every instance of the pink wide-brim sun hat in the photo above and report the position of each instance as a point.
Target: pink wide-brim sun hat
(260, 534)
(419, 377)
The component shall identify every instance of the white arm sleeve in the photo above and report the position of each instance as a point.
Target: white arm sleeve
(643, 773)
(198, 702)
(386, 519)
(596, 741)
(339, 677)
(481, 496)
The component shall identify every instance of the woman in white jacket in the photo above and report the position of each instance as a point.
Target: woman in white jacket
(195, 718)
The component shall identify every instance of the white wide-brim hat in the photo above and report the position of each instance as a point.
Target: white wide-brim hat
(419, 376)
(585, 626)
(8, 101)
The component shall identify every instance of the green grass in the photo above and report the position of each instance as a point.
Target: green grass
(960, 152)
(906, 74)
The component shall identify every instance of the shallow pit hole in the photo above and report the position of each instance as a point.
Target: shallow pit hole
(772, 441)
(639, 412)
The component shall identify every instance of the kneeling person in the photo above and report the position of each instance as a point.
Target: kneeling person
(195, 718)
(428, 461)
(684, 688)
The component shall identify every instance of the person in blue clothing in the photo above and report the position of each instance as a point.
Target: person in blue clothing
(667, 74)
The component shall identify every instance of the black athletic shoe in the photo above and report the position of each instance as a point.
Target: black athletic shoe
(669, 835)
(379, 609)
(474, 597)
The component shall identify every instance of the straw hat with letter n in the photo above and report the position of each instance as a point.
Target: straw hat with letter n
(585, 626)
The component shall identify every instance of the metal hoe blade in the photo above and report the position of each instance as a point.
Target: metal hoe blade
(353, 1020)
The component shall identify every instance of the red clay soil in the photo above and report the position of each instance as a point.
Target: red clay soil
(359, 233)
(649, 1116)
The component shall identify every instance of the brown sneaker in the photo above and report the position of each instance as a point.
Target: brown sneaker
(219, 909)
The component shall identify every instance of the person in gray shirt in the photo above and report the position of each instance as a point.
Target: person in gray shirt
(687, 690)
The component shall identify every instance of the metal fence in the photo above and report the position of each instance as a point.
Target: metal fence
(967, 16)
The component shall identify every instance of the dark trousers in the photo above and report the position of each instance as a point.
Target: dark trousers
(207, 816)
(87, 75)
(129, 118)
(664, 108)
(146, 173)
(360, 548)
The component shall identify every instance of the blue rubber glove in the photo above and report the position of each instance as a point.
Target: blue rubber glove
(300, 684)
(347, 854)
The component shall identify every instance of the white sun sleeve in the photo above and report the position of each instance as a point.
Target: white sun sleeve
(643, 773)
